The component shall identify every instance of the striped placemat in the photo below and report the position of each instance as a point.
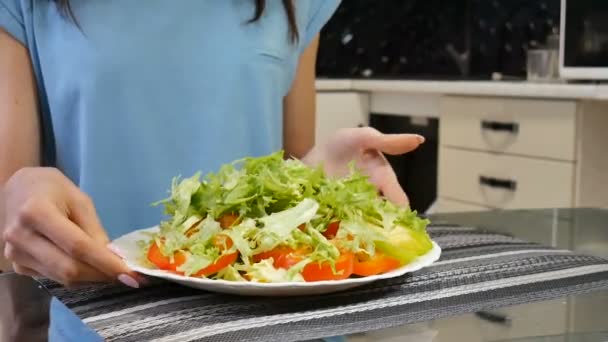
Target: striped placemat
(478, 270)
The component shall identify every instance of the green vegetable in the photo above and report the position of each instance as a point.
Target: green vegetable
(283, 203)
(195, 263)
(265, 272)
(230, 273)
(278, 227)
(405, 244)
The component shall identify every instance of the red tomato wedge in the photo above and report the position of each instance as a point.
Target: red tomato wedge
(228, 220)
(164, 262)
(377, 264)
(319, 272)
(283, 257)
(178, 259)
(219, 264)
(157, 257)
(332, 230)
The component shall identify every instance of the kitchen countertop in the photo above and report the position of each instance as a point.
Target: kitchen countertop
(488, 88)
(27, 306)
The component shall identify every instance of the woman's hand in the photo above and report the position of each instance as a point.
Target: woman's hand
(365, 146)
(52, 230)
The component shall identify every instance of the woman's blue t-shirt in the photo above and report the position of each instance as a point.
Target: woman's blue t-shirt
(141, 91)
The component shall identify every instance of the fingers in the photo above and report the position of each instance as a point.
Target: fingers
(394, 193)
(34, 252)
(83, 214)
(76, 243)
(395, 144)
(26, 271)
(387, 183)
(25, 263)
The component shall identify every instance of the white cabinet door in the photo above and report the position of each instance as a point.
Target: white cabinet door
(528, 127)
(340, 110)
(504, 181)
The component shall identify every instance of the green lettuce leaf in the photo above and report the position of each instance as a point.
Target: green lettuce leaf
(229, 273)
(195, 263)
(277, 227)
(265, 272)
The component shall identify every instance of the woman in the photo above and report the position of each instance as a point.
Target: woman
(119, 96)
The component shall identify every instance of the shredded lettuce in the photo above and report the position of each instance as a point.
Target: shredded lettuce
(242, 236)
(279, 226)
(265, 272)
(230, 273)
(283, 203)
(195, 263)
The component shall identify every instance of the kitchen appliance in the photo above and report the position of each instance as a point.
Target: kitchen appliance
(584, 40)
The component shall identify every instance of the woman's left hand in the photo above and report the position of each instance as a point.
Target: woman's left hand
(365, 146)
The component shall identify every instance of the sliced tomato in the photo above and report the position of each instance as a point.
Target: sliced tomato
(179, 258)
(318, 272)
(332, 230)
(228, 220)
(157, 257)
(222, 241)
(164, 262)
(377, 264)
(283, 257)
(219, 264)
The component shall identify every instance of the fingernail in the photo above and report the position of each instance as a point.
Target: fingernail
(128, 280)
(420, 138)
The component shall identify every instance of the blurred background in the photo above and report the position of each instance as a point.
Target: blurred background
(510, 121)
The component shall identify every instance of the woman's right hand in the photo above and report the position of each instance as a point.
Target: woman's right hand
(52, 230)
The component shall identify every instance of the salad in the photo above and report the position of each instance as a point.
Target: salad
(270, 220)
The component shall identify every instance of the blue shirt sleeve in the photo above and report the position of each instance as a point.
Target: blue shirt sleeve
(11, 19)
(320, 12)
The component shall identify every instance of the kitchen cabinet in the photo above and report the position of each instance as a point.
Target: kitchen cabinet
(501, 144)
(504, 181)
(337, 110)
(525, 127)
(510, 153)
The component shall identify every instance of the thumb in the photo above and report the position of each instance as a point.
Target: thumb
(395, 194)
(389, 186)
(394, 144)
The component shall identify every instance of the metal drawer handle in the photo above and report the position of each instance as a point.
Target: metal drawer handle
(511, 127)
(506, 184)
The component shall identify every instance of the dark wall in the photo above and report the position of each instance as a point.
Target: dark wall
(439, 39)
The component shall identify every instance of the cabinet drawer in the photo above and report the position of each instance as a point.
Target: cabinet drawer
(503, 181)
(526, 323)
(541, 128)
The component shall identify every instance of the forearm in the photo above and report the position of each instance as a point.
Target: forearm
(300, 107)
(19, 126)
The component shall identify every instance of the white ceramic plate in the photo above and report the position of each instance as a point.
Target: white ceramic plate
(126, 246)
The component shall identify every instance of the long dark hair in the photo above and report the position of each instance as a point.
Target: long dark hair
(260, 6)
